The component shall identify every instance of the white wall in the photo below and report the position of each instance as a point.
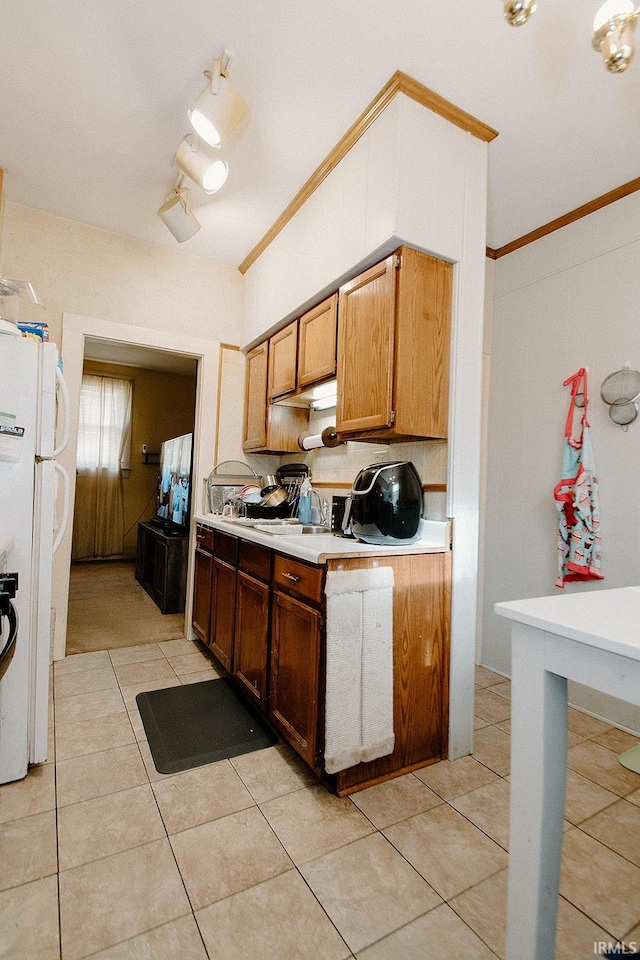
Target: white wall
(412, 178)
(571, 299)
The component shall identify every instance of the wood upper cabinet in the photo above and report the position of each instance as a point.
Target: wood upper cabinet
(255, 398)
(394, 325)
(267, 426)
(317, 334)
(366, 335)
(283, 355)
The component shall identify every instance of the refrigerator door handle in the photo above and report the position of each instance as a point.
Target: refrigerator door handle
(64, 407)
(65, 506)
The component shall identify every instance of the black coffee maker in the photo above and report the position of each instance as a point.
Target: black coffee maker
(385, 505)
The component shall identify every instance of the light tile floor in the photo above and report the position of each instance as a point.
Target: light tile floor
(101, 856)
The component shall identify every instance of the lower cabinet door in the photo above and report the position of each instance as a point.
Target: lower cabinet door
(252, 636)
(202, 593)
(295, 667)
(223, 612)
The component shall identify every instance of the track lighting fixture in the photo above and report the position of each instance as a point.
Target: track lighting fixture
(219, 111)
(202, 164)
(176, 213)
(218, 117)
(613, 28)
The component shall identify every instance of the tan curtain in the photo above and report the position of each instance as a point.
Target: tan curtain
(104, 436)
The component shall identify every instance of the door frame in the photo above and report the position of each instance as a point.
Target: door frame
(75, 329)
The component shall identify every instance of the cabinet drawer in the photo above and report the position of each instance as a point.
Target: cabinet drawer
(204, 536)
(298, 577)
(226, 547)
(255, 560)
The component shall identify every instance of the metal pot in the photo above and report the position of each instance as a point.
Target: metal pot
(268, 483)
(273, 496)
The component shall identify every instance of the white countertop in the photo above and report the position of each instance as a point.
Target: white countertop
(607, 619)
(320, 547)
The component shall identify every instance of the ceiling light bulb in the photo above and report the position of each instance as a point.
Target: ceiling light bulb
(610, 10)
(219, 111)
(176, 214)
(517, 12)
(613, 27)
(201, 164)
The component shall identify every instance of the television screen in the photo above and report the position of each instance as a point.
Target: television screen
(174, 483)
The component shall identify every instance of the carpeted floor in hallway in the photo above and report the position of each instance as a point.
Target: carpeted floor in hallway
(108, 609)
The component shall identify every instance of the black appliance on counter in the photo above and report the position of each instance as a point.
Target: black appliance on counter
(385, 504)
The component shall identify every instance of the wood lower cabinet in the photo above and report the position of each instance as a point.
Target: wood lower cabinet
(214, 592)
(202, 576)
(252, 637)
(295, 668)
(421, 618)
(223, 611)
(297, 655)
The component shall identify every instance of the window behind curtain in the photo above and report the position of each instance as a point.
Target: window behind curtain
(104, 440)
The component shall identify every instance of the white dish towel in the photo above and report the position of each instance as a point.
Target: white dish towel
(359, 694)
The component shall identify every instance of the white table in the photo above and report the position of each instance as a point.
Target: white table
(594, 639)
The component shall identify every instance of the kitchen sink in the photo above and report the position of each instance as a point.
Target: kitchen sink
(314, 528)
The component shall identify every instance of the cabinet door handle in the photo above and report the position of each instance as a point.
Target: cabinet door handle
(292, 577)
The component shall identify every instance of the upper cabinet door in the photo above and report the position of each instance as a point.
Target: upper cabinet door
(255, 399)
(283, 350)
(317, 333)
(366, 337)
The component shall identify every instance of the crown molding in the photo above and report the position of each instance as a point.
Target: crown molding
(399, 83)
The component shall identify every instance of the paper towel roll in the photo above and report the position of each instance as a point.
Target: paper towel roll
(310, 441)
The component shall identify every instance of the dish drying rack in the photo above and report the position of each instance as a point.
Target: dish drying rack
(225, 481)
(228, 479)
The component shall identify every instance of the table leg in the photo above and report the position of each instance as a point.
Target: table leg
(538, 779)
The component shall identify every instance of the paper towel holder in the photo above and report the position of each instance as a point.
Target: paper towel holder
(328, 438)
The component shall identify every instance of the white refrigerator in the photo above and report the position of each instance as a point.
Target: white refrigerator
(35, 498)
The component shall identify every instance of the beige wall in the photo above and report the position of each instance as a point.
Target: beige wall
(153, 420)
(80, 269)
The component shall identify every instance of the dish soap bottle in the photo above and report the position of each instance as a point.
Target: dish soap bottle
(304, 502)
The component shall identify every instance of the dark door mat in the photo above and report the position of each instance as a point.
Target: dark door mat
(200, 723)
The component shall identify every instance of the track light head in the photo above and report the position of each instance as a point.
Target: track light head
(176, 214)
(219, 111)
(202, 164)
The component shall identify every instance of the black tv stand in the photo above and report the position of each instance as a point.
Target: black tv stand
(161, 565)
(167, 527)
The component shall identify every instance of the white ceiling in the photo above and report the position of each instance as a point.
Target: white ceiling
(94, 98)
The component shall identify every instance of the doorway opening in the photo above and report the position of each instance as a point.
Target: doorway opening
(108, 607)
(104, 341)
